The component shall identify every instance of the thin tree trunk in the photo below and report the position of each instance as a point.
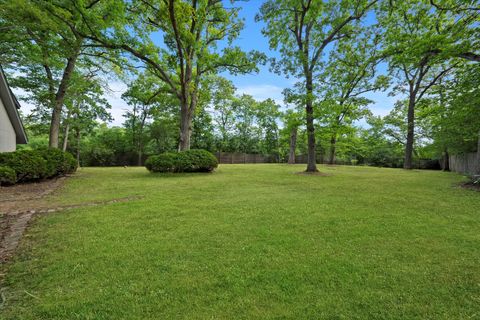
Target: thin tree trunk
(59, 98)
(65, 137)
(293, 145)
(145, 113)
(478, 153)
(410, 131)
(478, 143)
(78, 146)
(333, 147)
(446, 160)
(139, 161)
(312, 159)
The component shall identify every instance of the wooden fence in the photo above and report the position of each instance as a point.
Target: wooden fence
(468, 163)
(236, 157)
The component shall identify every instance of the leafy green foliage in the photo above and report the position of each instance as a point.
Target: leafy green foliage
(28, 164)
(38, 164)
(194, 160)
(7, 176)
(58, 162)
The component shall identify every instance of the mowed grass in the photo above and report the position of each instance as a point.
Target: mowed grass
(253, 242)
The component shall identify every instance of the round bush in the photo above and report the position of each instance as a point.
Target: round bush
(70, 163)
(197, 160)
(165, 162)
(185, 161)
(7, 176)
(58, 162)
(28, 164)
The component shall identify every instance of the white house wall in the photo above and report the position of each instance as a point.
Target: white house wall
(7, 133)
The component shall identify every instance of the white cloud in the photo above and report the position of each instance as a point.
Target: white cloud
(263, 92)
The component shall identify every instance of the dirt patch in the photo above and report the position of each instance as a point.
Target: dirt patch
(27, 195)
(318, 173)
(471, 186)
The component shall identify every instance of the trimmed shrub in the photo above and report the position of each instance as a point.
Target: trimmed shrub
(7, 176)
(58, 162)
(38, 164)
(165, 162)
(28, 164)
(70, 162)
(185, 161)
(197, 160)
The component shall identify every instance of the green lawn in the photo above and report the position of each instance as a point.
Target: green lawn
(253, 242)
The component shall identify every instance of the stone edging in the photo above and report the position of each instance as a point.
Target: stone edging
(15, 230)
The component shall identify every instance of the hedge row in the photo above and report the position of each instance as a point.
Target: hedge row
(30, 165)
(184, 161)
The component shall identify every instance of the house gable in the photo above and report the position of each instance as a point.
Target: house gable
(11, 127)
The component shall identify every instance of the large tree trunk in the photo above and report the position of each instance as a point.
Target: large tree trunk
(65, 137)
(312, 159)
(59, 98)
(333, 149)
(185, 128)
(293, 145)
(408, 164)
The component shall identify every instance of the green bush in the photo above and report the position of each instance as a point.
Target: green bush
(165, 162)
(198, 160)
(38, 164)
(58, 162)
(185, 161)
(7, 176)
(28, 164)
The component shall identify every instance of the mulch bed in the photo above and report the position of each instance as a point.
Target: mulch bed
(471, 186)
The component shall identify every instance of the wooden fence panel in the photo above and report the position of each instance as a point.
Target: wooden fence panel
(468, 163)
(237, 158)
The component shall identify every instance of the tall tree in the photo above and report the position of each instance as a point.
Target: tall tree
(84, 105)
(138, 96)
(410, 28)
(349, 74)
(245, 116)
(455, 118)
(267, 115)
(292, 121)
(223, 92)
(192, 31)
(301, 30)
(44, 51)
